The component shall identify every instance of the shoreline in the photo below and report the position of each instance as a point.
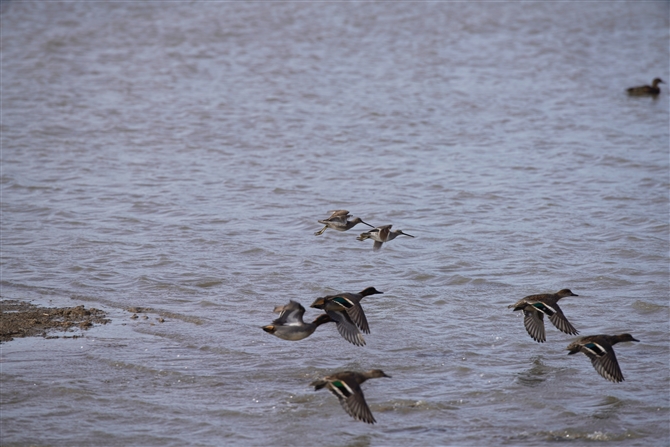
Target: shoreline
(24, 319)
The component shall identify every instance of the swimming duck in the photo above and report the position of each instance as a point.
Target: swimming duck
(599, 349)
(289, 325)
(652, 89)
(349, 302)
(338, 220)
(536, 306)
(346, 386)
(380, 235)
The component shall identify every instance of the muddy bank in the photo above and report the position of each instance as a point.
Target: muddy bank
(23, 319)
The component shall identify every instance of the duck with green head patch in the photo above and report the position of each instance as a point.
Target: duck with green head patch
(346, 386)
(345, 309)
(599, 349)
(349, 302)
(536, 306)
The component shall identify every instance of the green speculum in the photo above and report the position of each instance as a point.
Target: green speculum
(342, 387)
(342, 301)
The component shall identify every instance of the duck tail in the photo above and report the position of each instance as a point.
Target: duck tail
(318, 384)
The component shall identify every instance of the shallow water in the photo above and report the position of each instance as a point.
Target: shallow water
(177, 157)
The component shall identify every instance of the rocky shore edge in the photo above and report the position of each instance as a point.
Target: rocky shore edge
(23, 319)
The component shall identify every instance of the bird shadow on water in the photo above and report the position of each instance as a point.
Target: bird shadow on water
(358, 441)
(536, 374)
(607, 408)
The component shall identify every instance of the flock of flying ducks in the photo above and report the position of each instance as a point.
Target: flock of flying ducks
(598, 348)
(345, 310)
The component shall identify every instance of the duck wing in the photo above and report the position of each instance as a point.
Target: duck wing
(346, 327)
(562, 323)
(533, 321)
(603, 360)
(290, 314)
(352, 400)
(608, 366)
(353, 309)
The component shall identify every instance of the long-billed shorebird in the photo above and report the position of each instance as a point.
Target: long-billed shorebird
(339, 220)
(536, 306)
(381, 234)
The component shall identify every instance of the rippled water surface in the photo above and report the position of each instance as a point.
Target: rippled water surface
(176, 157)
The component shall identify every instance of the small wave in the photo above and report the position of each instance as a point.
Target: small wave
(646, 307)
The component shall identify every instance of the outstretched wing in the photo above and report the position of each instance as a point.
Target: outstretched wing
(357, 408)
(608, 367)
(603, 360)
(291, 314)
(339, 216)
(533, 321)
(351, 398)
(354, 310)
(346, 327)
(562, 323)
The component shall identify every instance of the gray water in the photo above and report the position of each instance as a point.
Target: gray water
(176, 156)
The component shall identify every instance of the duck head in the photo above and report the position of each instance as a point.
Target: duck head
(375, 373)
(370, 291)
(565, 292)
(625, 337)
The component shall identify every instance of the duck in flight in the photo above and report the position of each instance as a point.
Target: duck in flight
(290, 326)
(349, 303)
(346, 385)
(598, 348)
(536, 306)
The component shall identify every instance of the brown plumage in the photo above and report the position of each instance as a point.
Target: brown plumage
(338, 220)
(643, 90)
(349, 302)
(290, 326)
(536, 306)
(598, 348)
(346, 386)
(380, 235)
